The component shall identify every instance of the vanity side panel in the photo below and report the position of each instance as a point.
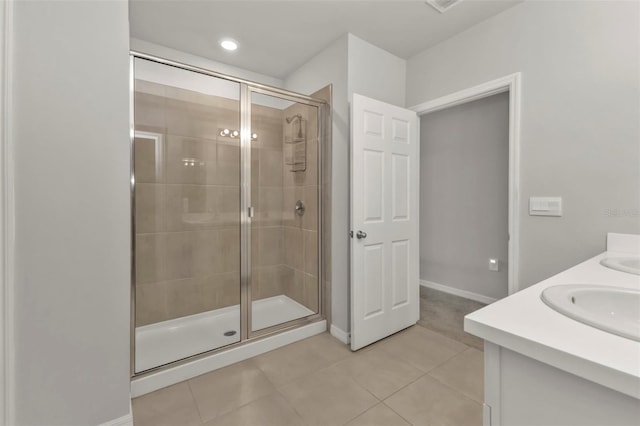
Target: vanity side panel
(492, 388)
(534, 393)
(624, 243)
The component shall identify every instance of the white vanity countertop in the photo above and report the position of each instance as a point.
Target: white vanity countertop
(524, 324)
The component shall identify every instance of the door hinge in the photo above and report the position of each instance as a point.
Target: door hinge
(250, 212)
(351, 234)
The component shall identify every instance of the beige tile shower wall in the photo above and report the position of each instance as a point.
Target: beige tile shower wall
(187, 253)
(267, 254)
(301, 232)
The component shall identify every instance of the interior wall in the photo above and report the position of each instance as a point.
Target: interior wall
(580, 65)
(70, 136)
(6, 13)
(464, 196)
(376, 73)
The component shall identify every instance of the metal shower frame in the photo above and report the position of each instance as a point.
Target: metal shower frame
(247, 88)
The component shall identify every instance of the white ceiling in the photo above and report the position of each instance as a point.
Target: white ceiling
(276, 37)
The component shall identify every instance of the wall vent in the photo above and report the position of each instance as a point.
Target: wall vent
(442, 5)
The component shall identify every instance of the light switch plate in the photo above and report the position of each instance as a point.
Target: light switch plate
(545, 206)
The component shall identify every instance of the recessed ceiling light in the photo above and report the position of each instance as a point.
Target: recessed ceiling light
(229, 44)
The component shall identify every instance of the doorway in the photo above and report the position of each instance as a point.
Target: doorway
(511, 85)
(469, 202)
(464, 191)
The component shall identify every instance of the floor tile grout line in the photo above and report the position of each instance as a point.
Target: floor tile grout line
(256, 400)
(306, 374)
(290, 381)
(399, 415)
(290, 404)
(421, 371)
(444, 336)
(195, 402)
(434, 366)
(430, 376)
(456, 390)
(224, 413)
(277, 389)
(382, 399)
(424, 373)
(449, 386)
(329, 365)
(449, 358)
(408, 384)
(378, 401)
(360, 414)
(442, 333)
(257, 365)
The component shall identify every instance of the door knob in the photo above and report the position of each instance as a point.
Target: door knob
(361, 234)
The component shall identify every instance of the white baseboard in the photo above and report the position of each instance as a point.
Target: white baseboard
(154, 381)
(121, 421)
(457, 292)
(340, 334)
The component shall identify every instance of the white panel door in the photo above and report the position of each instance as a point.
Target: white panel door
(385, 158)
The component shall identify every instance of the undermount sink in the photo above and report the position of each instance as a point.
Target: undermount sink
(624, 264)
(612, 309)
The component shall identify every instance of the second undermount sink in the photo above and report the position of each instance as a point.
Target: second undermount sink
(630, 264)
(612, 309)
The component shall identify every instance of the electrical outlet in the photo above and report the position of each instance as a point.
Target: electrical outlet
(494, 265)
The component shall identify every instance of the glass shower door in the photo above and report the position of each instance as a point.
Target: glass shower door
(285, 255)
(186, 177)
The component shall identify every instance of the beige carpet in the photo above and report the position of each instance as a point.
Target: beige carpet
(444, 313)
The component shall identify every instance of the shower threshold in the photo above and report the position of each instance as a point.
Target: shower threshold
(168, 341)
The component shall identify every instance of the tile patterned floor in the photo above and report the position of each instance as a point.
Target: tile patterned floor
(415, 377)
(444, 313)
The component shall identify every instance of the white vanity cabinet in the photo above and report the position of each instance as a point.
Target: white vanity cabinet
(520, 390)
(543, 368)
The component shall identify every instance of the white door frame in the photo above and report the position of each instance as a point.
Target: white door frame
(6, 221)
(511, 84)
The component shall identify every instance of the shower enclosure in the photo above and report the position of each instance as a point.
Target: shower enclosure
(226, 198)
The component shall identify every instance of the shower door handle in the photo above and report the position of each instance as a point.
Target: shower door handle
(361, 235)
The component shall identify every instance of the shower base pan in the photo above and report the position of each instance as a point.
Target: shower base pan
(168, 341)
